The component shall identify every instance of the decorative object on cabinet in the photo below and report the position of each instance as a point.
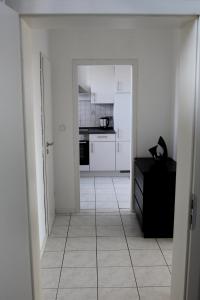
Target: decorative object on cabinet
(159, 152)
(154, 194)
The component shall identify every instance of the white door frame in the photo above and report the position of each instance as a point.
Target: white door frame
(86, 62)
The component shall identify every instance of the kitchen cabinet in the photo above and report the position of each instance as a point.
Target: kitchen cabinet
(123, 79)
(102, 152)
(122, 116)
(123, 154)
(101, 80)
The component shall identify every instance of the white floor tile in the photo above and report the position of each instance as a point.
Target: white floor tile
(77, 294)
(87, 197)
(59, 231)
(78, 278)
(147, 258)
(55, 244)
(155, 293)
(152, 276)
(111, 243)
(114, 258)
(50, 278)
(108, 220)
(106, 205)
(82, 221)
(139, 243)
(87, 205)
(168, 256)
(116, 277)
(103, 180)
(49, 294)
(81, 259)
(165, 244)
(118, 294)
(82, 243)
(133, 230)
(52, 260)
(61, 220)
(82, 231)
(106, 197)
(112, 231)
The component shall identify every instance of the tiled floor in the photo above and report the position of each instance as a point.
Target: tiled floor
(100, 254)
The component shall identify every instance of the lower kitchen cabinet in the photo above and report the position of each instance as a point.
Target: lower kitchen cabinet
(123, 153)
(102, 156)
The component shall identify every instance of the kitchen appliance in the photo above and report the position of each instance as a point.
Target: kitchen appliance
(104, 122)
(84, 151)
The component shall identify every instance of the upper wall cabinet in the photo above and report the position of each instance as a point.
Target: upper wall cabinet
(102, 85)
(123, 79)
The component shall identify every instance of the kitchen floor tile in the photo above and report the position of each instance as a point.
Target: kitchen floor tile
(113, 231)
(107, 205)
(52, 260)
(55, 244)
(87, 205)
(118, 294)
(111, 243)
(152, 276)
(82, 231)
(61, 220)
(77, 294)
(59, 231)
(147, 258)
(114, 258)
(82, 221)
(168, 256)
(49, 294)
(50, 278)
(139, 243)
(103, 180)
(106, 197)
(116, 277)
(155, 293)
(108, 220)
(87, 197)
(78, 278)
(81, 259)
(133, 231)
(82, 243)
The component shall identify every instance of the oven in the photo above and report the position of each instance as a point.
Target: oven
(84, 152)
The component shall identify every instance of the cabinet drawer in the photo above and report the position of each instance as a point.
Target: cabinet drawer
(138, 195)
(102, 137)
(139, 178)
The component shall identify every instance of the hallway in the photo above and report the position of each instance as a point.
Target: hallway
(100, 254)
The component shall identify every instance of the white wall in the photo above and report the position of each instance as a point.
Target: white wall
(154, 50)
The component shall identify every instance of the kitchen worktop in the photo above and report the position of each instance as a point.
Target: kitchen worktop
(96, 130)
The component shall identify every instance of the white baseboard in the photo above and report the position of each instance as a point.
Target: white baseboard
(43, 246)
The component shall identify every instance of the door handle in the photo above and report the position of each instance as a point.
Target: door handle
(49, 144)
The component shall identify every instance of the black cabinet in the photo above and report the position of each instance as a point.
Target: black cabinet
(154, 193)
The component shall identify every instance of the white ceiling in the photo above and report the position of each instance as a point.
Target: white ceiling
(105, 22)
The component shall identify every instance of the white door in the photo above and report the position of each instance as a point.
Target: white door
(122, 116)
(123, 156)
(101, 80)
(102, 156)
(123, 79)
(16, 280)
(47, 141)
(193, 277)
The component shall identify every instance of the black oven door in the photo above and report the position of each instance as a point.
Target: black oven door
(84, 153)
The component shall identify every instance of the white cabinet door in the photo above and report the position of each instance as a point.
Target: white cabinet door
(101, 80)
(123, 79)
(123, 156)
(122, 116)
(102, 156)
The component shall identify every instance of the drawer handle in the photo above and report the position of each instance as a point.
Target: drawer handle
(102, 137)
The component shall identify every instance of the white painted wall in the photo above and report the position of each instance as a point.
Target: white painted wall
(104, 6)
(15, 254)
(154, 50)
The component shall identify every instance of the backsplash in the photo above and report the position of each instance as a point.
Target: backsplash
(89, 113)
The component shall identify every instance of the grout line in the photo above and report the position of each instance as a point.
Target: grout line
(96, 242)
(127, 244)
(63, 258)
(163, 256)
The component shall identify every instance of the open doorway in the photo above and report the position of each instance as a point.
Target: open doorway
(105, 99)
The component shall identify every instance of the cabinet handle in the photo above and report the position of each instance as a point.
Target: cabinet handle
(102, 137)
(92, 148)
(118, 147)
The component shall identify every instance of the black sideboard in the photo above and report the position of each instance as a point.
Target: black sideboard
(154, 193)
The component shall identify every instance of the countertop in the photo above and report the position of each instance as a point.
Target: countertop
(96, 130)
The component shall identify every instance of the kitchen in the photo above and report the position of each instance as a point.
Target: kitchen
(105, 118)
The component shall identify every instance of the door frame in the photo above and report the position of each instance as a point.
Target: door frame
(133, 142)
